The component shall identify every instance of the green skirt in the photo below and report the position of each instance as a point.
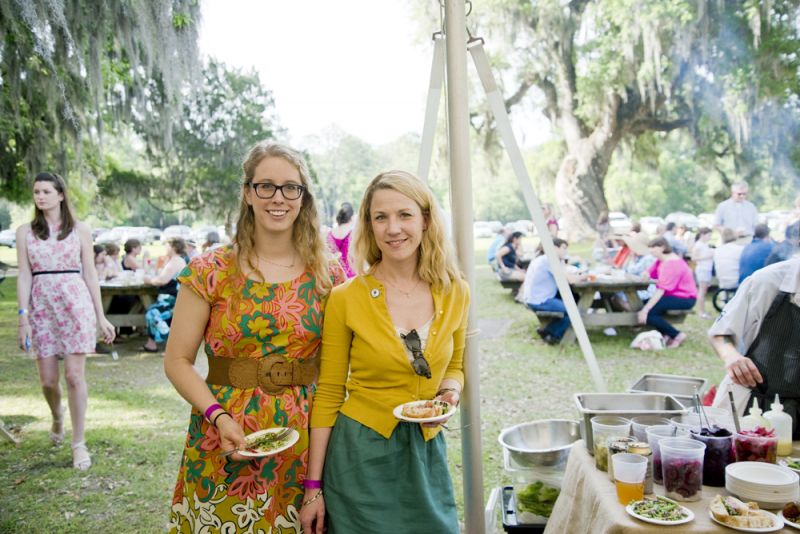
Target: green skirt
(400, 484)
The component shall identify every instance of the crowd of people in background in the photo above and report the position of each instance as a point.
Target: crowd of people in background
(684, 263)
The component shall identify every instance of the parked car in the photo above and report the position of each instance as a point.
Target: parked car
(176, 230)
(97, 231)
(682, 218)
(650, 224)
(619, 222)
(201, 234)
(8, 238)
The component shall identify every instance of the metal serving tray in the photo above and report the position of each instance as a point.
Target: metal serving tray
(626, 405)
(680, 387)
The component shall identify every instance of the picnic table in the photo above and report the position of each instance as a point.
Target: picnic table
(600, 312)
(135, 317)
(588, 503)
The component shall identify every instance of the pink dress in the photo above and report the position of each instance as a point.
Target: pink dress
(62, 315)
(342, 247)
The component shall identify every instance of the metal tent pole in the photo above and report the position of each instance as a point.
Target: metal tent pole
(461, 199)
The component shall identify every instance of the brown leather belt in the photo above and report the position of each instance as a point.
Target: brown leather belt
(272, 373)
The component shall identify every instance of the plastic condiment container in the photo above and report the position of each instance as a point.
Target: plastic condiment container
(682, 468)
(782, 422)
(654, 435)
(754, 419)
(640, 424)
(615, 446)
(755, 448)
(719, 453)
(603, 428)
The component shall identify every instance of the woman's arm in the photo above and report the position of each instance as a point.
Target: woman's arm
(189, 321)
(502, 251)
(24, 283)
(131, 263)
(168, 272)
(312, 514)
(90, 277)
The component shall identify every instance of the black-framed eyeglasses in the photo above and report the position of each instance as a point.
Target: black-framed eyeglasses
(414, 344)
(267, 190)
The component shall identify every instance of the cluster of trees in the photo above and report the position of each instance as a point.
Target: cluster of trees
(654, 105)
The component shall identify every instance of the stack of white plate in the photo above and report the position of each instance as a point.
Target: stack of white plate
(769, 485)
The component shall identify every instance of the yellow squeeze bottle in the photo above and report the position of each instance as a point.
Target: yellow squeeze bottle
(754, 419)
(782, 422)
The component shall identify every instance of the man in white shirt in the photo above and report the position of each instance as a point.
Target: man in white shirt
(757, 338)
(737, 213)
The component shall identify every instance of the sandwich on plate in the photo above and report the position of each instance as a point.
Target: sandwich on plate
(733, 512)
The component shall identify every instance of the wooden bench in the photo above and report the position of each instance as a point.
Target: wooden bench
(597, 320)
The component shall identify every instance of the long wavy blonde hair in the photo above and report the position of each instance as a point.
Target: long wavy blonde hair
(305, 231)
(436, 263)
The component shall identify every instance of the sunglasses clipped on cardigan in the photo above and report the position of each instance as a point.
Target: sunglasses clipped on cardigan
(414, 345)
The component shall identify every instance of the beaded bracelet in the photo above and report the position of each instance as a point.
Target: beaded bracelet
(312, 499)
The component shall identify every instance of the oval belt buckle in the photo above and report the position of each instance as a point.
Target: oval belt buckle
(265, 374)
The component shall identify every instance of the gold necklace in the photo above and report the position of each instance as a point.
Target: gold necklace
(406, 293)
(291, 265)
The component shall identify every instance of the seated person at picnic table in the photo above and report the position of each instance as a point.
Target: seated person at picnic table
(498, 241)
(113, 265)
(675, 290)
(159, 314)
(754, 254)
(130, 262)
(507, 257)
(788, 247)
(638, 264)
(541, 292)
(757, 338)
(726, 260)
(100, 262)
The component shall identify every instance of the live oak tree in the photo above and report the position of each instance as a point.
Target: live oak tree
(71, 69)
(605, 72)
(200, 172)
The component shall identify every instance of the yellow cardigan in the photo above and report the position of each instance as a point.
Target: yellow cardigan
(358, 337)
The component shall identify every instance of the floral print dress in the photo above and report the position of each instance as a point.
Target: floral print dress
(249, 319)
(63, 320)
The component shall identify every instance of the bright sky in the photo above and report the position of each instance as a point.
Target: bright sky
(354, 63)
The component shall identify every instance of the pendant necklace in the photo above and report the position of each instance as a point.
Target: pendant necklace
(406, 293)
(291, 265)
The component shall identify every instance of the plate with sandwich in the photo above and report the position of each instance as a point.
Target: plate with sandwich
(791, 514)
(659, 511)
(424, 411)
(745, 517)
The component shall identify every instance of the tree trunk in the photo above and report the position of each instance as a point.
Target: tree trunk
(579, 186)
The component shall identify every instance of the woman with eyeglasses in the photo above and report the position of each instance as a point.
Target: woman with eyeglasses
(59, 305)
(393, 334)
(257, 306)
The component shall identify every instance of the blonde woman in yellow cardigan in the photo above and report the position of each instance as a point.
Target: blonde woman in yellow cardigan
(368, 470)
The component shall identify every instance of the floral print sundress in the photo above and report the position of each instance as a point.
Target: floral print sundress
(249, 319)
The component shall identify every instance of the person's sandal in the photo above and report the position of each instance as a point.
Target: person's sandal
(57, 438)
(81, 460)
(145, 348)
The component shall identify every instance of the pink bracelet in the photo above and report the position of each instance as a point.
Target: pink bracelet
(211, 409)
(312, 484)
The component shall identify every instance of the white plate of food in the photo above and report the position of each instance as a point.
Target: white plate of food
(791, 463)
(659, 511)
(269, 441)
(792, 508)
(732, 513)
(424, 411)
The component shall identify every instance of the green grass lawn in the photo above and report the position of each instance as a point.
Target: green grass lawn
(136, 421)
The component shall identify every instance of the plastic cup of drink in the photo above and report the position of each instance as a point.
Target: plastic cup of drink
(640, 424)
(682, 468)
(629, 473)
(603, 428)
(655, 434)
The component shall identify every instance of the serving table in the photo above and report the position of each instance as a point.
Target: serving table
(588, 504)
